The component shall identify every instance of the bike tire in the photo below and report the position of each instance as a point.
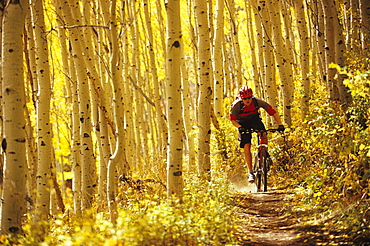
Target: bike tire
(258, 181)
(264, 170)
(257, 172)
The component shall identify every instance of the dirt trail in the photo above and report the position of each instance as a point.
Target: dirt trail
(267, 222)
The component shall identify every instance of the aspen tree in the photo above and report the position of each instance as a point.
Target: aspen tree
(130, 122)
(95, 80)
(1, 94)
(340, 50)
(261, 68)
(161, 25)
(345, 22)
(205, 89)
(218, 60)
(99, 102)
(188, 103)
(365, 23)
(86, 148)
(254, 49)
(227, 85)
(300, 8)
(162, 127)
(87, 161)
(330, 15)
(104, 92)
(354, 24)
(270, 91)
(13, 205)
(76, 142)
(134, 76)
(194, 50)
(127, 92)
(85, 74)
(319, 41)
(104, 153)
(234, 33)
(174, 109)
(118, 109)
(286, 11)
(188, 117)
(31, 91)
(283, 64)
(31, 156)
(105, 127)
(70, 90)
(44, 143)
(72, 98)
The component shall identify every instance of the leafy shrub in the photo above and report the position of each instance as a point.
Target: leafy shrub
(330, 152)
(205, 216)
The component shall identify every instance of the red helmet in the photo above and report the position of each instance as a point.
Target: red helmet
(245, 91)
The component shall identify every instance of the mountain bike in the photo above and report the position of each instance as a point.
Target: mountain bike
(262, 160)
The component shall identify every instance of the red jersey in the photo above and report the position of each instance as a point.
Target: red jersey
(240, 112)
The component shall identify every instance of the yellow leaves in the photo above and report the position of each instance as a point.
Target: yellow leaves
(317, 194)
(368, 153)
(363, 147)
(3, 239)
(205, 215)
(358, 84)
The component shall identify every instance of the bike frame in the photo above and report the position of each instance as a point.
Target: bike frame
(262, 160)
(260, 166)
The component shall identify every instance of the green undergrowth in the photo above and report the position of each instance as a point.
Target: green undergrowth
(204, 217)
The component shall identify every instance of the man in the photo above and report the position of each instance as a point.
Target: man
(244, 115)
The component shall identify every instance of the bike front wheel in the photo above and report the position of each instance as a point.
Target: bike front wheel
(258, 181)
(264, 169)
(257, 172)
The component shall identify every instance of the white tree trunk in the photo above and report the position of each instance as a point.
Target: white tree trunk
(86, 148)
(304, 56)
(174, 109)
(236, 56)
(218, 60)
(13, 205)
(119, 119)
(205, 89)
(76, 142)
(162, 126)
(44, 142)
(283, 63)
(270, 91)
(1, 94)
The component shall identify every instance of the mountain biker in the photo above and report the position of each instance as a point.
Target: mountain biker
(244, 115)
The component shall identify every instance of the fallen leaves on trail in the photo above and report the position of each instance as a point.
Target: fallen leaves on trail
(271, 219)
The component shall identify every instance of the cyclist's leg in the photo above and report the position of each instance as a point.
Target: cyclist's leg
(245, 143)
(248, 156)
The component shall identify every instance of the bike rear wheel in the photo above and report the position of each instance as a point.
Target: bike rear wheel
(264, 169)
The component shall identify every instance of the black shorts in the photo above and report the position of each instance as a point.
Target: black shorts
(254, 123)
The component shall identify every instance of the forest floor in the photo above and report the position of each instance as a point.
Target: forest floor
(267, 219)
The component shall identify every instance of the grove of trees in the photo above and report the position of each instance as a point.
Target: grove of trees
(93, 91)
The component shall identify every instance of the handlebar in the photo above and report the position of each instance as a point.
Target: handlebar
(259, 131)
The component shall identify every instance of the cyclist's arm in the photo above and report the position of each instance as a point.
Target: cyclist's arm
(235, 123)
(270, 110)
(277, 118)
(234, 112)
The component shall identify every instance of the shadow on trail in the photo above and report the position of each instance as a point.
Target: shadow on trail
(265, 220)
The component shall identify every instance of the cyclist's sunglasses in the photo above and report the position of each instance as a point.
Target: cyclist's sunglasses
(245, 98)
